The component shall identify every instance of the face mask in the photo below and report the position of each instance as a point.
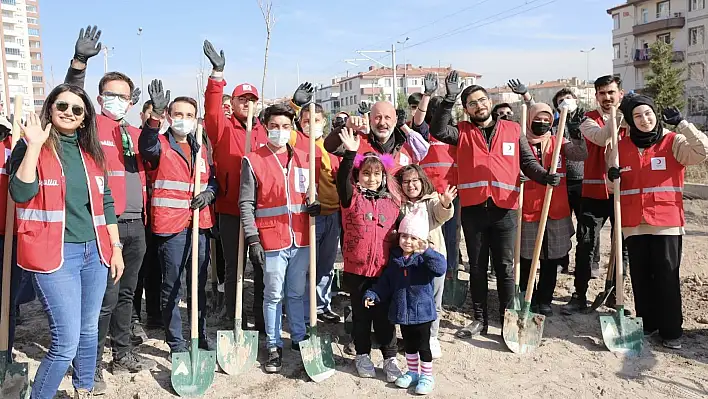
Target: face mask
(318, 130)
(114, 107)
(540, 128)
(278, 138)
(506, 117)
(183, 127)
(571, 103)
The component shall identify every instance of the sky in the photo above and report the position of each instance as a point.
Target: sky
(530, 40)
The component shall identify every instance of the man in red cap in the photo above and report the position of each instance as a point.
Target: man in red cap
(228, 136)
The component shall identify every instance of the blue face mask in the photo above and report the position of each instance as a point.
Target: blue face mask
(278, 137)
(114, 107)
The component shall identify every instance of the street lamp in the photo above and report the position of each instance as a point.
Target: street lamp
(405, 67)
(587, 69)
(142, 83)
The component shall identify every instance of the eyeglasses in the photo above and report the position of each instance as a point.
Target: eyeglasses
(411, 181)
(475, 104)
(110, 95)
(505, 114)
(62, 106)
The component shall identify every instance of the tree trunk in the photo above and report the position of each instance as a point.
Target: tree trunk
(265, 68)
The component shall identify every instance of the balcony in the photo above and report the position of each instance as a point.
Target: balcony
(663, 22)
(643, 56)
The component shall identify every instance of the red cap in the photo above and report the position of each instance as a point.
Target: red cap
(245, 88)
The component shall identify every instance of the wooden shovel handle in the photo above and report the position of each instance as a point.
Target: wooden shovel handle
(519, 216)
(312, 194)
(195, 240)
(241, 239)
(617, 242)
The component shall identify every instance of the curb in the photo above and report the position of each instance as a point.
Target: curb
(695, 191)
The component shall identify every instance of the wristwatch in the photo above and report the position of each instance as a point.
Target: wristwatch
(118, 245)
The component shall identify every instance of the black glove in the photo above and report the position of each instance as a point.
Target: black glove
(672, 116)
(313, 208)
(87, 45)
(573, 125)
(135, 97)
(256, 254)
(303, 94)
(217, 59)
(400, 118)
(203, 199)
(523, 178)
(552, 179)
(364, 108)
(517, 87)
(452, 86)
(160, 99)
(430, 84)
(613, 173)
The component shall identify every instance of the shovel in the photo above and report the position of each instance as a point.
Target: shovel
(620, 333)
(13, 376)
(515, 303)
(193, 371)
(601, 298)
(236, 350)
(523, 329)
(316, 350)
(455, 292)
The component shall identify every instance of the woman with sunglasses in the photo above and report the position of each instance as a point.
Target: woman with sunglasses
(67, 232)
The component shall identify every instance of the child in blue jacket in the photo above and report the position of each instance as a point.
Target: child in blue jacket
(407, 283)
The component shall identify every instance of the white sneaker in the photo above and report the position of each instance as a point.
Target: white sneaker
(435, 348)
(365, 367)
(393, 372)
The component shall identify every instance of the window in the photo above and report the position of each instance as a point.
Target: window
(36, 68)
(12, 51)
(11, 64)
(21, 42)
(645, 15)
(696, 36)
(616, 21)
(663, 9)
(31, 8)
(10, 2)
(14, 76)
(9, 39)
(356, 99)
(39, 91)
(694, 5)
(8, 14)
(31, 20)
(388, 97)
(37, 56)
(37, 79)
(696, 71)
(33, 32)
(616, 47)
(7, 26)
(14, 89)
(35, 44)
(665, 37)
(38, 103)
(22, 65)
(387, 82)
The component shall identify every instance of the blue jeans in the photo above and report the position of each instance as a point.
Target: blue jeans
(284, 275)
(15, 279)
(329, 228)
(72, 298)
(175, 255)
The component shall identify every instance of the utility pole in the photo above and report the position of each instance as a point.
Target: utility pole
(587, 71)
(104, 48)
(142, 82)
(393, 67)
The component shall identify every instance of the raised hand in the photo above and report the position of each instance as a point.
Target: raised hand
(364, 108)
(135, 97)
(350, 140)
(217, 59)
(421, 246)
(672, 116)
(400, 118)
(430, 84)
(517, 87)
(87, 45)
(448, 196)
(452, 86)
(303, 94)
(33, 132)
(359, 124)
(160, 99)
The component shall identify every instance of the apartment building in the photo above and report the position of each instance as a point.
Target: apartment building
(639, 23)
(328, 96)
(22, 69)
(544, 91)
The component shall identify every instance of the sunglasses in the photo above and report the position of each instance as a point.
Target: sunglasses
(62, 106)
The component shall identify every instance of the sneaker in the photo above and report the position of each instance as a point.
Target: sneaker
(329, 316)
(393, 372)
(364, 366)
(131, 363)
(545, 309)
(179, 350)
(435, 348)
(99, 384)
(407, 379)
(426, 383)
(672, 343)
(275, 360)
(137, 334)
(576, 304)
(82, 394)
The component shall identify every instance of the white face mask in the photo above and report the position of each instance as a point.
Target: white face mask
(570, 103)
(114, 107)
(317, 129)
(183, 127)
(278, 138)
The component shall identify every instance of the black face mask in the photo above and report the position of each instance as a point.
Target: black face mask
(540, 128)
(506, 117)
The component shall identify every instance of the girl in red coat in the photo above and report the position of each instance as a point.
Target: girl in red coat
(370, 210)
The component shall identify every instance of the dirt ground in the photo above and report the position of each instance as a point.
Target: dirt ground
(572, 361)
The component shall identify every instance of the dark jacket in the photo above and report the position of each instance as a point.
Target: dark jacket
(333, 144)
(408, 285)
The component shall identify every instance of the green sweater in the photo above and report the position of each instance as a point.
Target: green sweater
(79, 223)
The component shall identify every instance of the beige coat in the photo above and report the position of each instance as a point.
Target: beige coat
(437, 216)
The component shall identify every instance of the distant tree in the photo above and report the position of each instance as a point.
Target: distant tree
(665, 82)
(401, 101)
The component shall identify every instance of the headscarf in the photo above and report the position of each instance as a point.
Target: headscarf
(639, 138)
(534, 110)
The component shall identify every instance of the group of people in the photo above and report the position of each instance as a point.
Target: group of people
(104, 212)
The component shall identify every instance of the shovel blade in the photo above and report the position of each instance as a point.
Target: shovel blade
(237, 350)
(622, 334)
(193, 371)
(455, 291)
(601, 299)
(14, 382)
(523, 330)
(516, 300)
(317, 356)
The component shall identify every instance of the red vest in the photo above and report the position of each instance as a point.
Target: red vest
(402, 157)
(485, 172)
(651, 184)
(109, 134)
(534, 192)
(173, 190)
(595, 172)
(302, 143)
(5, 146)
(40, 221)
(368, 226)
(440, 164)
(280, 204)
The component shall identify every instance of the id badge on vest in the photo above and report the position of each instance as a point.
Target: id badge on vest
(302, 179)
(100, 181)
(403, 159)
(202, 166)
(508, 149)
(658, 163)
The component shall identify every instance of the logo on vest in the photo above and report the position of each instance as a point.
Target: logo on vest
(432, 143)
(100, 184)
(108, 143)
(404, 160)
(658, 163)
(8, 152)
(202, 166)
(508, 149)
(302, 180)
(49, 182)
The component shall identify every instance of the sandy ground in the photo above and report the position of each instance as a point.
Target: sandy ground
(572, 361)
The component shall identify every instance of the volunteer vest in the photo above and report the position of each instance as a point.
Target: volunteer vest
(485, 172)
(302, 143)
(109, 134)
(440, 164)
(368, 226)
(40, 221)
(402, 157)
(173, 190)
(280, 202)
(534, 193)
(5, 147)
(651, 185)
(595, 172)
